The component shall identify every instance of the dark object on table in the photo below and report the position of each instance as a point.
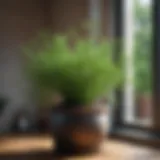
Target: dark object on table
(43, 118)
(23, 123)
(3, 102)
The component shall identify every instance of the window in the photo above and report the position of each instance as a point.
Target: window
(138, 62)
(137, 103)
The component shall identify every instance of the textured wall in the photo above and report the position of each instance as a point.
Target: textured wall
(20, 20)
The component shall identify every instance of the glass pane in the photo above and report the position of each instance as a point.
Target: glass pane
(138, 62)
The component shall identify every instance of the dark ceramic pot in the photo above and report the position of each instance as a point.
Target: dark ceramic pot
(80, 129)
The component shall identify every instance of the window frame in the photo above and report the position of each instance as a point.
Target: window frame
(119, 129)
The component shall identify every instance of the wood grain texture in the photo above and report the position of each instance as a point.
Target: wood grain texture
(25, 147)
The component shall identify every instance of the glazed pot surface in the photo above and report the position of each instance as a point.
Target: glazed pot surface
(81, 129)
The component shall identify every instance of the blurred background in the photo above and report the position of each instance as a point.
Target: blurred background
(131, 22)
(134, 25)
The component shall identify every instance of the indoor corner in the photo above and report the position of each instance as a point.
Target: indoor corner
(80, 79)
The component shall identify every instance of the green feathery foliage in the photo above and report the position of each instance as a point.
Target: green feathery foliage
(81, 73)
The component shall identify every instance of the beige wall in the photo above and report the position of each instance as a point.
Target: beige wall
(20, 21)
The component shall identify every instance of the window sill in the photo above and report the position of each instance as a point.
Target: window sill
(136, 135)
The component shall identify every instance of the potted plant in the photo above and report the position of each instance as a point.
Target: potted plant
(80, 75)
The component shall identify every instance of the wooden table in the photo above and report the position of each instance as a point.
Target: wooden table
(40, 147)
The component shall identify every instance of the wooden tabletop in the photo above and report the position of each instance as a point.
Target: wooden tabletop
(18, 147)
